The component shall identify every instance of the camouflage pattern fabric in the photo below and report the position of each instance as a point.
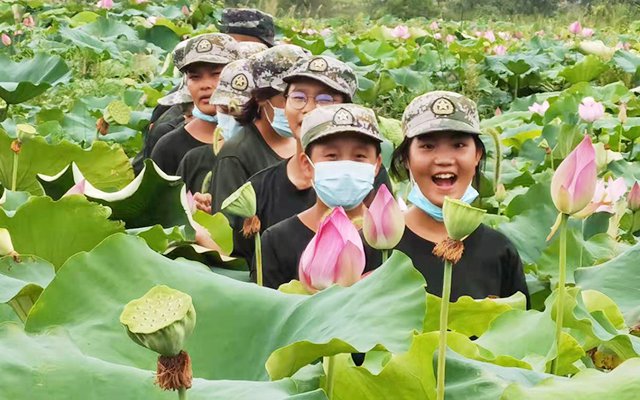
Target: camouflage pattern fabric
(440, 111)
(180, 96)
(339, 118)
(328, 70)
(247, 49)
(213, 48)
(235, 85)
(250, 22)
(271, 65)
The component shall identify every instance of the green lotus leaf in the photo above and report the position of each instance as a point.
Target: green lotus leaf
(585, 70)
(21, 81)
(107, 166)
(22, 282)
(56, 230)
(28, 373)
(240, 324)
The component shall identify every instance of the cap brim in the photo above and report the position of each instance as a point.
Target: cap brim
(340, 129)
(224, 97)
(317, 77)
(207, 59)
(445, 125)
(180, 96)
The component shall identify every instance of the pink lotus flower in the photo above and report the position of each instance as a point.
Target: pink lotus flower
(6, 40)
(497, 112)
(401, 31)
(490, 36)
(325, 32)
(450, 39)
(334, 255)
(437, 36)
(478, 33)
(604, 198)
(575, 27)
(434, 26)
(18, 32)
(504, 35)
(141, 1)
(185, 11)
(633, 199)
(29, 22)
(500, 50)
(587, 32)
(538, 108)
(383, 223)
(574, 182)
(623, 46)
(106, 4)
(590, 110)
(152, 20)
(78, 188)
(540, 32)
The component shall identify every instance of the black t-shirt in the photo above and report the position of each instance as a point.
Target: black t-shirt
(195, 166)
(282, 247)
(277, 199)
(490, 265)
(240, 158)
(172, 147)
(151, 137)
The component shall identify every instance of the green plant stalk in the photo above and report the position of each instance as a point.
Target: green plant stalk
(561, 288)
(330, 365)
(582, 247)
(444, 316)
(620, 139)
(21, 306)
(385, 255)
(515, 90)
(258, 245)
(182, 393)
(496, 140)
(14, 172)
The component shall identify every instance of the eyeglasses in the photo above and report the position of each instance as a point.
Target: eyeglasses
(299, 100)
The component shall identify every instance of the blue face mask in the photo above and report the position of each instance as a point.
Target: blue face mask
(228, 125)
(343, 183)
(205, 117)
(420, 200)
(280, 123)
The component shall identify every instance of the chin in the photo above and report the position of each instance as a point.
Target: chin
(207, 109)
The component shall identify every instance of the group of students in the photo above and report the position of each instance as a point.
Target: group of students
(248, 110)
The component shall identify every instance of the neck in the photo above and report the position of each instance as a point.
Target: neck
(295, 173)
(313, 216)
(283, 146)
(423, 225)
(201, 130)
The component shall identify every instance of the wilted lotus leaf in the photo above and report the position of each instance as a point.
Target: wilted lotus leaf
(161, 320)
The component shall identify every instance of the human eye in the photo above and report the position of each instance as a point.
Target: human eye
(324, 100)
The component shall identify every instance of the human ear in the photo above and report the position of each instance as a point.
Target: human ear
(305, 163)
(378, 163)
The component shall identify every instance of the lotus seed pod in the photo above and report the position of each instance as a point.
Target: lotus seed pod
(161, 320)
(242, 202)
(501, 193)
(25, 131)
(117, 112)
(460, 218)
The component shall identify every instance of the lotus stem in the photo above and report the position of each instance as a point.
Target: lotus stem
(182, 394)
(330, 371)
(385, 255)
(515, 90)
(14, 172)
(561, 289)
(258, 246)
(444, 314)
(496, 140)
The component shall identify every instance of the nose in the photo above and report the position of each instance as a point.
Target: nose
(310, 106)
(443, 158)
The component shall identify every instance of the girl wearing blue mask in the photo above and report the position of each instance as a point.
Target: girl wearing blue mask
(341, 145)
(441, 154)
(201, 60)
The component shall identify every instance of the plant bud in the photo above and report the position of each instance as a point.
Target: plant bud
(501, 193)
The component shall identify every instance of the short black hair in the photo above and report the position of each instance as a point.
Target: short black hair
(328, 138)
(251, 110)
(400, 158)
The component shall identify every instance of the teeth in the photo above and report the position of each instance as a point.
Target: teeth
(444, 176)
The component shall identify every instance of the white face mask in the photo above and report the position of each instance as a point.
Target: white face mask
(229, 126)
(343, 183)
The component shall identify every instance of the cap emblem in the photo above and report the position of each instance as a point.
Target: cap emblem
(204, 46)
(443, 106)
(240, 82)
(343, 117)
(318, 65)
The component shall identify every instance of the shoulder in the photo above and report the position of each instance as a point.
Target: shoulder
(489, 238)
(241, 143)
(284, 228)
(266, 174)
(172, 136)
(199, 153)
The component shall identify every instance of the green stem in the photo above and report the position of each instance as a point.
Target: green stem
(496, 140)
(21, 306)
(444, 314)
(258, 246)
(583, 238)
(14, 173)
(515, 90)
(385, 255)
(330, 371)
(620, 139)
(553, 168)
(182, 393)
(561, 289)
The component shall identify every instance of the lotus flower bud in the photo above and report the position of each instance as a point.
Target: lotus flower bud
(242, 202)
(622, 114)
(590, 110)
(334, 255)
(574, 182)
(383, 224)
(633, 199)
(161, 320)
(461, 219)
(6, 246)
(575, 27)
(501, 193)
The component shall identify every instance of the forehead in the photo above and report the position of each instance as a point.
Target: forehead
(200, 68)
(307, 85)
(346, 140)
(444, 135)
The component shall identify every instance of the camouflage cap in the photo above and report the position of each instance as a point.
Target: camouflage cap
(235, 85)
(327, 70)
(250, 22)
(440, 111)
(213, 48)
(271, 65)
(339, 118)
(179, 96)
(247, 49)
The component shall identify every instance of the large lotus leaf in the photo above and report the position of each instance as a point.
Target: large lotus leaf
(153, 197)
(411, 375)
(468, 316)
(109, 29)
(105, 165)
(27, 79)
(620, 384)
(22, 282)
(159, 238)
(56, 230)
(627, 61)
(52, 366)
(84, 40)
(239, 324)
(585, 70)
(619, 279)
